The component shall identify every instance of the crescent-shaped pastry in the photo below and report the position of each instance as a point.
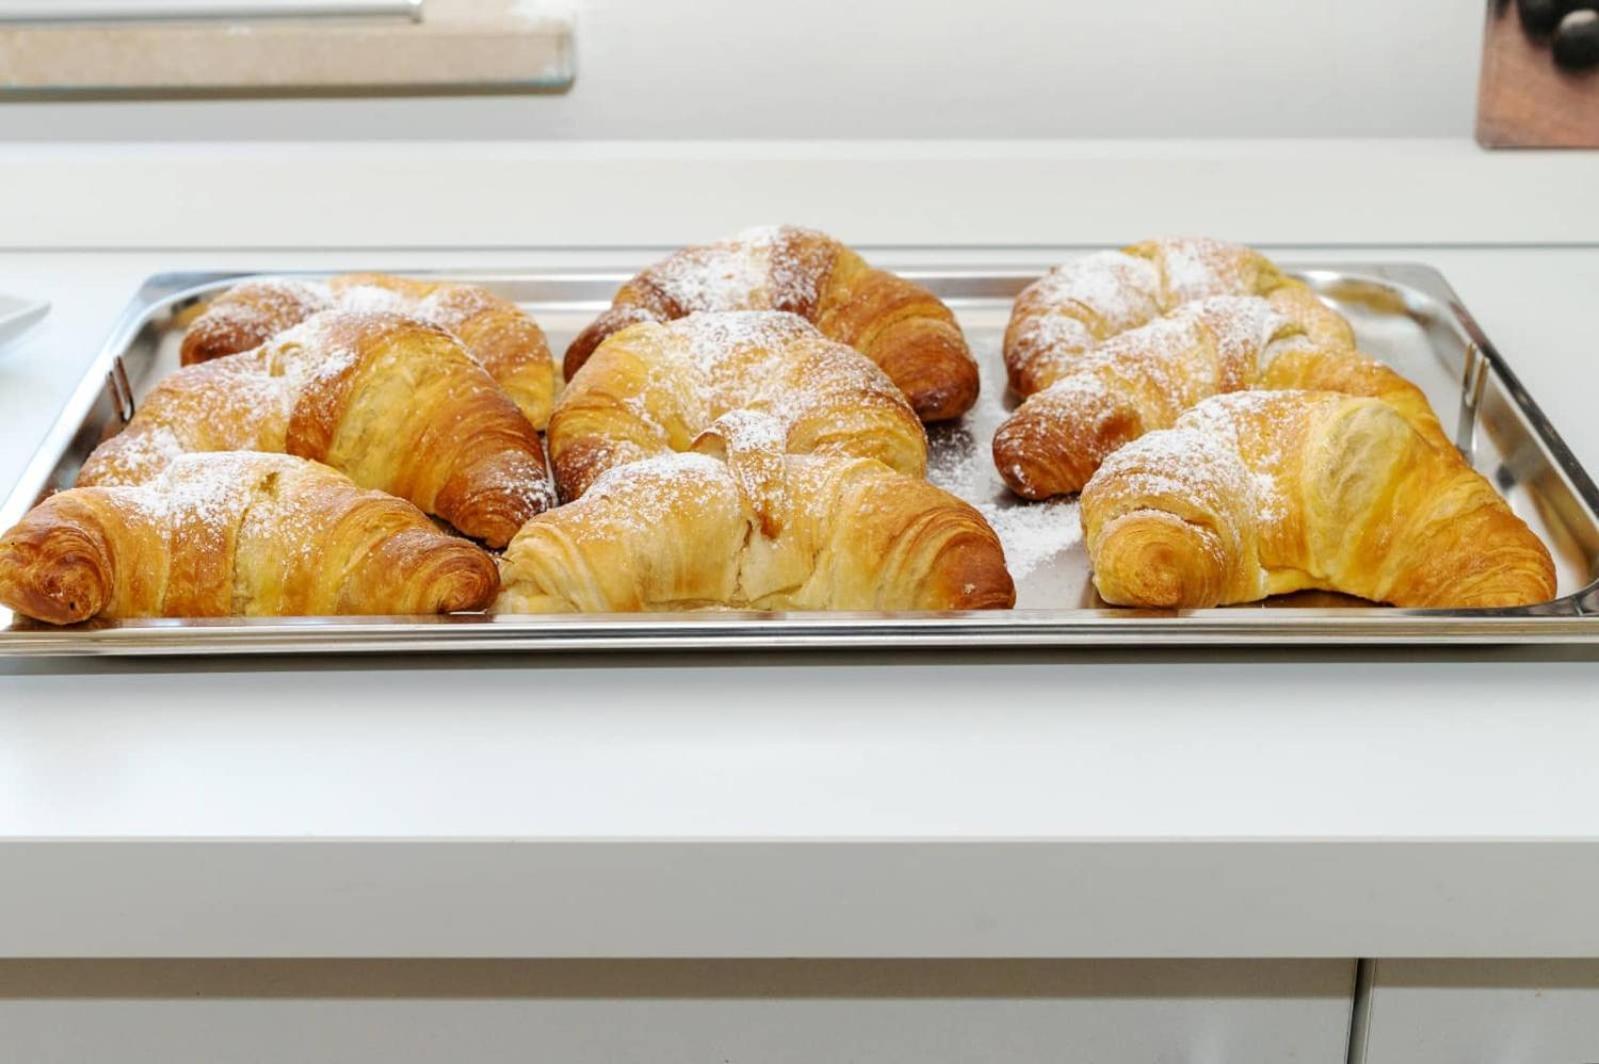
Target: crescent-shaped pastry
(654, 388)
(249, 314)
(394, 403)
(1079, 305)
(1143, 379)
(899, 325)
(782, 532)
(1261, 493)
(497, 333)
(236, 533)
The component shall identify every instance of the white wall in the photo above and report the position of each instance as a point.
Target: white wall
(915, 68)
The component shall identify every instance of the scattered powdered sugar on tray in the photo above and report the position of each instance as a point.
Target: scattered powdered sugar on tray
(955, 462)
(1033, 533)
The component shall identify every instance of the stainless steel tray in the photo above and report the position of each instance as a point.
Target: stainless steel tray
(1404, 314)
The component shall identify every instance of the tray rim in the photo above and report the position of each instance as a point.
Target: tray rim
(1572, 618)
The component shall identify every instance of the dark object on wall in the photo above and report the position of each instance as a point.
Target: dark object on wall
(1576, 44)
(1540, 75)
(1540, 17)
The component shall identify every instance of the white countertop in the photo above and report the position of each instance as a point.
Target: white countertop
(1130, 803)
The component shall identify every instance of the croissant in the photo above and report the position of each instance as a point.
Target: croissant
(686, 531)
(1081, 304)
(1318, 369)
(1260, 493)
(900, 326)
(498, 335)
(393, 403)
(1145, 378)
(236, 533)
(654, 388)
(248, 315)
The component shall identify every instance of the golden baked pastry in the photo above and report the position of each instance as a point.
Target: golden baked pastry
(249, 314)
(1260, 493)
(899, 325)
(1143, 379)
(1077, 306)
(689, 531)
(236, 533)
(394, 403)
(654, 388)
(498, 335)
(1313, 368)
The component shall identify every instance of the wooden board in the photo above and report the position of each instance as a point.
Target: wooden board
(460, 45)
(1526, 101)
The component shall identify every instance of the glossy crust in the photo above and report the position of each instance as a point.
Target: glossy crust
(656, 388)
(1261, 493)
(1352, 373)
(685, 531)
(497, 333)
(1076, 306)
(395, 404)
(236, 533)
(248, 315)
(899, 325)
(1143, 379)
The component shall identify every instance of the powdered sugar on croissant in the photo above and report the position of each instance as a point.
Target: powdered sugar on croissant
(1261, 493)
(684, 531)
(1083, 303)
(497, 334)
(656, 387)
(1139, 381)
(393, 403)
(900, 326)
(236, 533)
(1143, 379)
